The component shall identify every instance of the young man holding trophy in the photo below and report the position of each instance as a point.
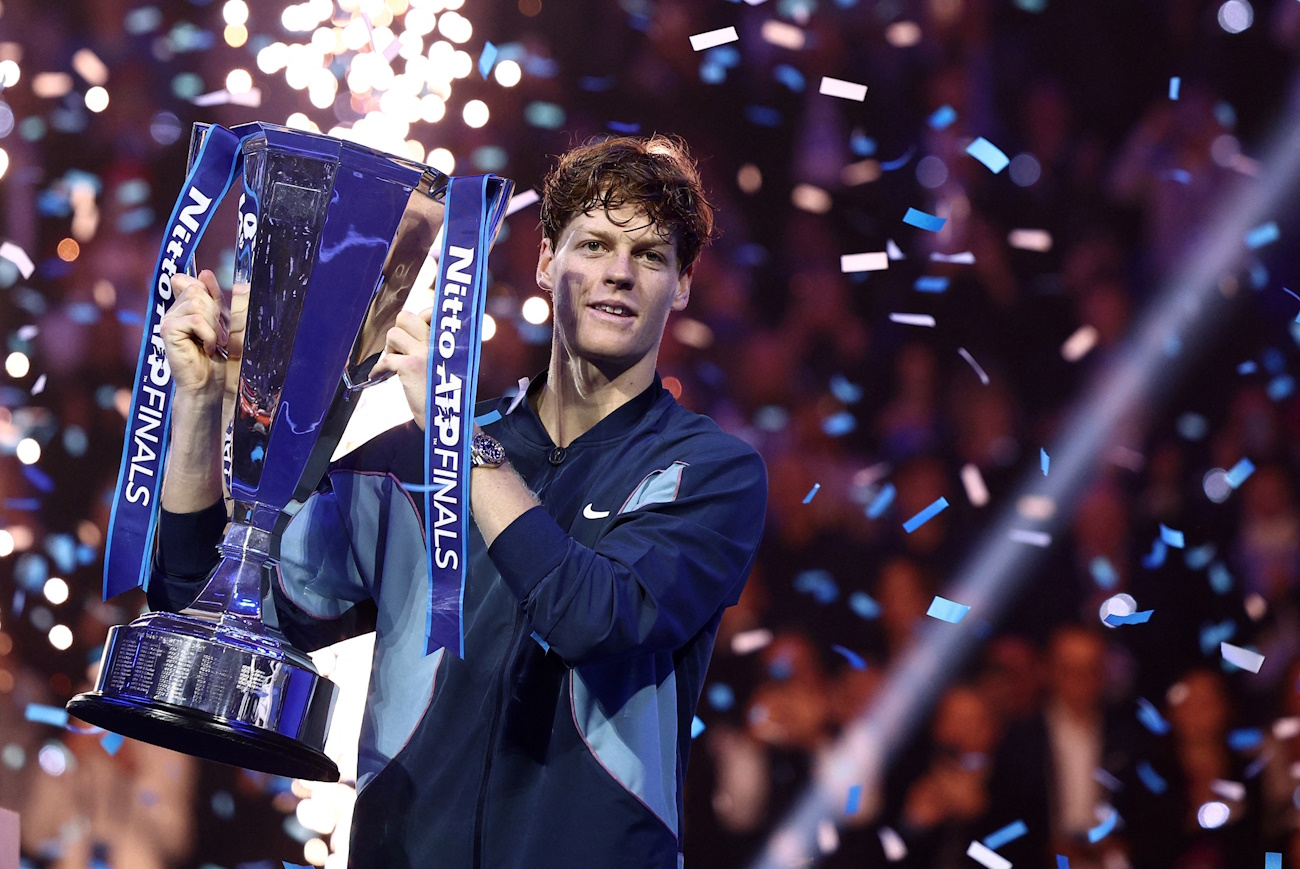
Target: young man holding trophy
(613, 527)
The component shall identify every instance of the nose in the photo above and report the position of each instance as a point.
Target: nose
(618, 270)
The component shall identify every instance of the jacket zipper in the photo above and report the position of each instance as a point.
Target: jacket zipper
(492, 739)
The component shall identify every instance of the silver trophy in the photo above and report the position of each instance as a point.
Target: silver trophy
(331, 238)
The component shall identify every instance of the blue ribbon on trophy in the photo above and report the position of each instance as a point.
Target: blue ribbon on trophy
(475, 208)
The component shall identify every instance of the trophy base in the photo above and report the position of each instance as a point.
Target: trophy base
(229, 691)
(206, 736)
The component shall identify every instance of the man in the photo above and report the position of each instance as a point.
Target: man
(613, 528)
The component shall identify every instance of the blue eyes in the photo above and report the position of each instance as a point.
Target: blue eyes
(594, 246)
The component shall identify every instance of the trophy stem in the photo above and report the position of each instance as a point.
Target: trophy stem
(235, 587)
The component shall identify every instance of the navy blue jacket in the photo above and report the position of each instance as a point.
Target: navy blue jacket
(561, 739)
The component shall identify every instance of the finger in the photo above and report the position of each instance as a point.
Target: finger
(209, 281)
(201, 331)
(401, 342)
(239, 294)
(416, 325)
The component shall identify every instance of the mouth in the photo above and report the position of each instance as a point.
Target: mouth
(613, 310)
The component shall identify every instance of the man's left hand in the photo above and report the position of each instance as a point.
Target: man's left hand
(406, 354)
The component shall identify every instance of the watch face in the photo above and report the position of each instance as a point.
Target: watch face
(487, 451)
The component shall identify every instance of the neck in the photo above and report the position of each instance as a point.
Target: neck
(578, 394)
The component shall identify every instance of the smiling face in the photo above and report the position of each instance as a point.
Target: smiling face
(613, 280)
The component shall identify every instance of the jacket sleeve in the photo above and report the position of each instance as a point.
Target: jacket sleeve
(186, 552)
(657, 576)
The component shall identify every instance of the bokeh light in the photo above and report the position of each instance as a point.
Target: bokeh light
(535, 310)
(28, 451)
(60, 637)
(55, 590)
(97, 99)
(17, 364)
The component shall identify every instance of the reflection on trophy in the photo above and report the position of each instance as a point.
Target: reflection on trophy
(331, 238)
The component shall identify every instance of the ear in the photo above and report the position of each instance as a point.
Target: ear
(682, 294)
(545, 256)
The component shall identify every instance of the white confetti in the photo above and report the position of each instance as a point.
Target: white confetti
(39, 386)
(1077, 345)
(1229, 790)
(714, 38)
(913, 319)
(828, 838)
(88, 65)
(892, 844)
(1040, 539)
(864, 262)
(1030, 239)
(965, 258)
(1243, 658)
(847, 90)
(973, 481)
(251, 98)
(747, 642)
(28, 332)
(783, 35)
(893, 250)
(970, 360)
(987, 857)
(18, 257)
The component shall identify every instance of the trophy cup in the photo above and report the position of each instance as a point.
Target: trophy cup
(331, 238)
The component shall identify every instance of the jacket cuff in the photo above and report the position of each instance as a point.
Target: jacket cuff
(528, 549)
(186, 541)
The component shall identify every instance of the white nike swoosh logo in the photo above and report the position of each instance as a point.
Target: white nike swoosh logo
(589, 513)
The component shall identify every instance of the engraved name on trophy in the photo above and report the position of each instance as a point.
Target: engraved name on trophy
(331, 238)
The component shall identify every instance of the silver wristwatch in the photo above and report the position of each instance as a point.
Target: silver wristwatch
(486, 452)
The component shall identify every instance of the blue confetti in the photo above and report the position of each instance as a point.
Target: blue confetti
(845, 390)
(1062, 862)
(855, 660)
(818, 583)
(790, 77)
(861, 144)
(854, 801)
(1104, 829)
(839, 424)
(487, 59)
(721, 697)
(1182, 176)
(807, 499)
(988, 154)
(946, 610)
(864, 605)
(39, 479)
(1240, 472)
(1247, 367)
(1138, 618)
(881, 502)
(697, 727)
(1151, 778)
(1044, 460)
(1171, 537)
(1151, 718)
(1245, 738)
(111, 742)
(130, 318)
(1174, 83)
(1103, 572)
(1009, 833)
(1274, 361)
(537, 638)
(1220, 578)
(1200, 556)
(942, 117)
(764, 116)
(488, 418)
(1212, 634)
(922, 220)
(626, 128)
(55, 715)
(925, 515)
(1261, 235)
(1272, 860)
(1280, 387)
(930, 284)
(898, 163)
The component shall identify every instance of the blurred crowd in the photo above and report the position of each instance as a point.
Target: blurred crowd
(1060, 720)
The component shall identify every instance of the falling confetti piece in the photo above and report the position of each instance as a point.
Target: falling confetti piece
(1272, 860)
(713, 38)
(1009, 833)
(892, 844)
(881, 502)
(1041, 539)
(864, 262)
(987, 857)
(55, 715)
(1138, 618)
(965, 258)
(946, 610)
(1171, 537)
(111, 742)
(1243, 658)
(1079, 344)
(864, 605)
(1104, 829)
(1062, 862)
(1038, 240)
(913, 319)
(855, 660)
(930, 284)
(942, 117)
(899, 162)
(973, 482)
(1103, 572)
(697, 727)
(1261, 235)
(520, 201)
(925, 515)
(783, 35)
(1174, 84)
(1150, 778)
(39, 386)
(970, 360)
(854, 802)
(922, 220)
(18, 257)
(895, 253)
(747, 642)
(487, 59)
(847, 90)
(251, 98)
(1151, 718)
(1156, 557)
(1044, 460)
(1240, 472)
(807, 499)
(988, 154)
